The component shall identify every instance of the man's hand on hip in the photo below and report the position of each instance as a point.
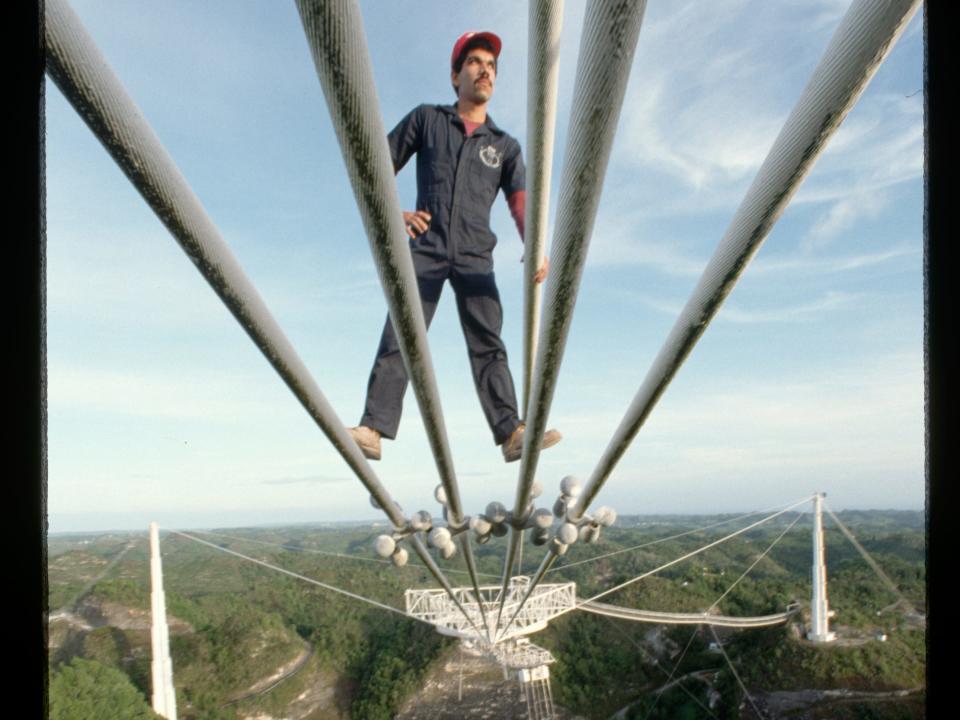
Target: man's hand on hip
(541, 274)
(417, 222)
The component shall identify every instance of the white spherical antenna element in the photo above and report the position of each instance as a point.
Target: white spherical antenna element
(571, 486)
(479, 525)
(499, 530)
(567, 533)
(376, 505)
(560, 507)
(540, 536)
(384, 545)
(542, 518)
(496, 512)
(400, 557)
(421, 520)
(448, 550)
(536, 489)
(440, 495)
(605, 515)
(439, 537)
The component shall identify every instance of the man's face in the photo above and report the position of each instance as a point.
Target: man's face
(475, 79)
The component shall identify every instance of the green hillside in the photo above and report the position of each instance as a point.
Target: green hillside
(247, 641)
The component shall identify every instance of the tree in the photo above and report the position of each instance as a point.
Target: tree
(89, 690)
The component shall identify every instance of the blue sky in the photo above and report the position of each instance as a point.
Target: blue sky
(810, 378)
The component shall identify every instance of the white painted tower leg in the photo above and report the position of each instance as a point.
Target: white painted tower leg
(164, 697)
(819, 609)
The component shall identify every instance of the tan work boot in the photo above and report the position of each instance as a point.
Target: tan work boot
(513, 446)
(367, 439)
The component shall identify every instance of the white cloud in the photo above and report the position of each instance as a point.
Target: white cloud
(804, 312)
(843, 215)
(138, 394)
(880, 145)
(709, 93)
(860, 397)
(855, 431)
(308, 480)
(730, 312)
(711, 87)
(806, 263)
(622, 239)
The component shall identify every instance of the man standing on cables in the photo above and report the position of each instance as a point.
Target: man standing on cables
(463, 159)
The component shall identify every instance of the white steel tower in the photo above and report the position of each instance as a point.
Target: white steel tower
(164, 697)
(820, 612)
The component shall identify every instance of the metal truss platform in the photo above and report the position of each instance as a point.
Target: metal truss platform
(436, 607)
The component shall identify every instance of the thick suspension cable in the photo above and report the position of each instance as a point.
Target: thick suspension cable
(705, 617)
(338, 44)
(658, 541)
(607, 45)
(88, 82)
(655, 663)
(333, 588)
(114, 561)
(549, 558)
(438, 573)
(736, 675)
(759, 557)
(891, 585)
(695, 552)
(291, 573)
(329, 553)
(716, 602)
(545, 21)
(862, 40)
(83, 75)
(673, 671)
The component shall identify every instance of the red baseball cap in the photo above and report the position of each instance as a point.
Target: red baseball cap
(471, 35)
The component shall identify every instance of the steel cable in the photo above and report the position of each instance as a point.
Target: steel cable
(550, 557)
(88, 82)
(329, 553)
(338, 44)
(884, 578)
(543, 61)
(607, 45)
(658, 541)
(545, 21)
(862, 40)
(298, 576)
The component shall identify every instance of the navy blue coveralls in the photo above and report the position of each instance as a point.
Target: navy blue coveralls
(457, 181)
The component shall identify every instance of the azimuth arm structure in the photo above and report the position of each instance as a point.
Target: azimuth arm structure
(87, 81)
(607, 45)
(707, 617)
(338, 44)
(862, 40)
(686, 556)
(668, 618)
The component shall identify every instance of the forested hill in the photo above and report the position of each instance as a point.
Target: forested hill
(248, 642)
